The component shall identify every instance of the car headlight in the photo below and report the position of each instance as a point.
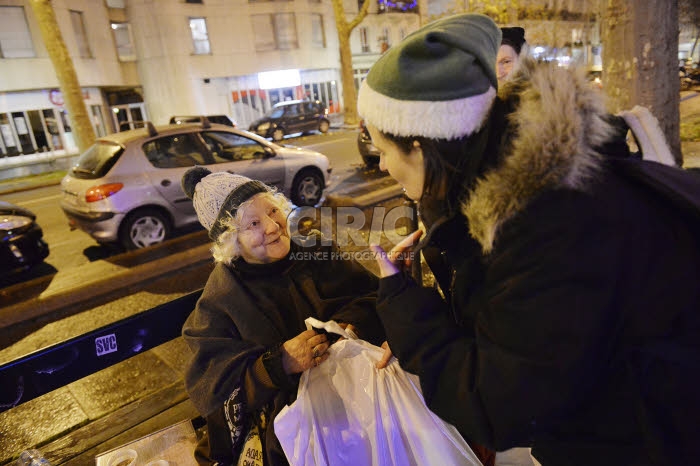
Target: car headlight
(12, 222)
(264, 126)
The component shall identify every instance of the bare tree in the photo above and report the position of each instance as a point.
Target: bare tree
(344, 30)
(640, 61)
(65, 72)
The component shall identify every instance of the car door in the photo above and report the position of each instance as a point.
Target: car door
(242, 155)
(171, 156)
(294, 118)
(311, 116)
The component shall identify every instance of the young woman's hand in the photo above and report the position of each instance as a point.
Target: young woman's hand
(399, 257)
(386, 357)
(306, 350)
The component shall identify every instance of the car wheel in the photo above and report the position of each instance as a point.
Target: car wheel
(324, 125)
(278, 134)
(144, 228)
(307, 187)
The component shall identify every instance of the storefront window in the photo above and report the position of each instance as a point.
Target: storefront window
(53, 129)
(22, 129)
(8, 138)
(97, 121)
(40, 137)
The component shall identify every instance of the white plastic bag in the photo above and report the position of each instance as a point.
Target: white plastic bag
(348, 412)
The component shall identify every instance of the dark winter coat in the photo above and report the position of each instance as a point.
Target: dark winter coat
(570, 320)
(247, 310)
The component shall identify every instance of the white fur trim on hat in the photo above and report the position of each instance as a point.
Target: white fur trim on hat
(447, 119)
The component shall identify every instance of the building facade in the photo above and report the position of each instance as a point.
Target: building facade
(142, 60)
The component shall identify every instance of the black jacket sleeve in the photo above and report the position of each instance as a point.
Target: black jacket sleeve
(542, 317)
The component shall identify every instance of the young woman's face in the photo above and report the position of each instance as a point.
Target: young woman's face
(406, 168)
(263, 236)
(505, 62)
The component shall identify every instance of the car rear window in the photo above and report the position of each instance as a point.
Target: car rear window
(97, 160)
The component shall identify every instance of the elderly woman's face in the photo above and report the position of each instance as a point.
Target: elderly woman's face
(263, 236)
(506, 60)
(408, 169)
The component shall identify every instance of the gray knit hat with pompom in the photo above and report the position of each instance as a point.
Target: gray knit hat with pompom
(216, 195)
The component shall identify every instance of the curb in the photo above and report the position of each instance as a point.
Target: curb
(99, 278)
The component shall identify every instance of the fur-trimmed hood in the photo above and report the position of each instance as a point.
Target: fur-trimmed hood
(559, 120)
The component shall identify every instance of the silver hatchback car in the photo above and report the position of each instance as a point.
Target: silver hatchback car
(126, 187)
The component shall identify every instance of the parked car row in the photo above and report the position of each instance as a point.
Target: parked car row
(126, 187)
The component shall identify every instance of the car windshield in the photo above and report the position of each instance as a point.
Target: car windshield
(97, 160)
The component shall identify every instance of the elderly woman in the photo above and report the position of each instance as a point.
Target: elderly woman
(247, 331)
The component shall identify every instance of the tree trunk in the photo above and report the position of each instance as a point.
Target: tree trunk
(640, 61)
(346, 73)
(65, 72)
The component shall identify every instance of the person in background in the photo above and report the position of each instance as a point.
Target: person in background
(247, 332)
(512, 44)
(566, 317)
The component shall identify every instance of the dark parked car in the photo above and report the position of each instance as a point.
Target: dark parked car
(22, 245)
(369, 153)
(218, 119)
(294, 116)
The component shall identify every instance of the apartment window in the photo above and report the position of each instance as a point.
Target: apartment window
(15, 39)
(123, 41)
(115, 3)
(275, 31)
(77, 20)
(200, 37)
(194, 1)
(364, 41)
(318, 36)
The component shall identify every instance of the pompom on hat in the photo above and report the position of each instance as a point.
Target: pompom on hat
(439, 82)
(216, 195)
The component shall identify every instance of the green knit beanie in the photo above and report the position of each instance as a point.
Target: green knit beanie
(439, 82)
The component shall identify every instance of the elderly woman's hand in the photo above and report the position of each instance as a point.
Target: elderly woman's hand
(400, 255)
(386, 357)
(306, 350)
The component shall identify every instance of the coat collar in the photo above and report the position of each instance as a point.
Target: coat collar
(557, 122)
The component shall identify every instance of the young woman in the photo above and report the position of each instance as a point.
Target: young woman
(567, 312)
(247, 333)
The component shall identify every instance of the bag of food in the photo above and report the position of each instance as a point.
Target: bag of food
(348, 412)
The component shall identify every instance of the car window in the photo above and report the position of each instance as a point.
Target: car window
(228, 147)
(311, 107)
(173, 151)
(292, 110)
(276, 112)
(97, 160)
